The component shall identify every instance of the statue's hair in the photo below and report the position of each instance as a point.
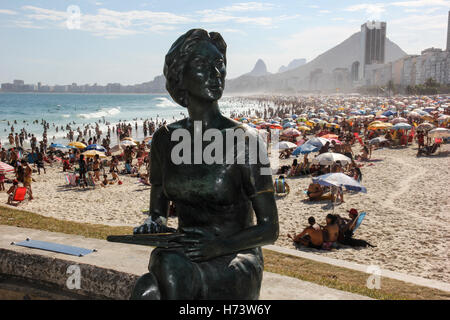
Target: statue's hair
(178, 57)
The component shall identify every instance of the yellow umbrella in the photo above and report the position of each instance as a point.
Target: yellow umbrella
(375, 122)
(380, 126)
(93, 153)
(305, 128)
(77, 144)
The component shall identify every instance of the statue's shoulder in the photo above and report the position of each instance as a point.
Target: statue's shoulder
(165, 131)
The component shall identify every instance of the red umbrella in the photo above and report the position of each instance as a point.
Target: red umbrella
(4, 167)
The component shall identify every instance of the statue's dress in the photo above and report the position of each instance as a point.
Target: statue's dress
(215, 198)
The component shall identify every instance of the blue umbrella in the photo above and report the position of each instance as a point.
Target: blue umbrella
(288, 125)
(305, 148)
(339, 180)
(401, 125)
(96, 147)
(58, 145)
(389, 113)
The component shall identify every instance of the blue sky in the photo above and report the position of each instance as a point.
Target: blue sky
(125, 41)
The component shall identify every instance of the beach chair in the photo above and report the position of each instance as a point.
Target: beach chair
(90, 181)
(359, 220)
(19, 195)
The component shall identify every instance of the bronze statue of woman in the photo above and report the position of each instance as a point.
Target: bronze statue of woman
(219, 256)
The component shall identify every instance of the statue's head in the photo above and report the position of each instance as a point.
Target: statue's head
(196, 66)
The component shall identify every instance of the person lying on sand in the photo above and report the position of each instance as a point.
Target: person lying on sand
(281, 187)
(315, 191)
(311, 236)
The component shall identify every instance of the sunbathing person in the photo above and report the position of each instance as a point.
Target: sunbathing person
(330, 232)
(346, 228)
(315, 192)
(12, 191)
(281, 187)
(311, 236)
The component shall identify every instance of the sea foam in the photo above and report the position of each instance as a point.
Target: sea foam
(103, 112)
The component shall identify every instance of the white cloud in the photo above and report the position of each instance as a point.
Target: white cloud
(421, 3)
(247, 6)
(7, 11)
(373, 10)
(324, 11)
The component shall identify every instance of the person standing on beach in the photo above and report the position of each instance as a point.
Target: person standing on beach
(27, 179)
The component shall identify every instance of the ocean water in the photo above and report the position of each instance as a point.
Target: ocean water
(83, 109)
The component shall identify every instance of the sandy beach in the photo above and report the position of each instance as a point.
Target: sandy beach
(407, 205)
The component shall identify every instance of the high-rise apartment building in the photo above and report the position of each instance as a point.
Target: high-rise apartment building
(373, 43)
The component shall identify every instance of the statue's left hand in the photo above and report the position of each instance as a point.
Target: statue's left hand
(201, 245)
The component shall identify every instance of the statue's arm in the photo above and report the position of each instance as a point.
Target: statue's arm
(158, 201)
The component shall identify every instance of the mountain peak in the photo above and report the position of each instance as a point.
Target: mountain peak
(292, 65)
(260, 69)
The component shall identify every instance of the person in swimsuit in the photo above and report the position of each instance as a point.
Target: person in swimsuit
(330, 232)
(315, 191)
(96, 167)
(27, 179)
(311, 236)
(220, 255)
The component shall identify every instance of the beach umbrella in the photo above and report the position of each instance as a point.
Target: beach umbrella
(96, 147)
(128, 143)
(4, 167)
(58, 146)
(288, 125)
(284, 145)
(330, 158)
(116, 150)
(291, 132)
(77, 144)
(444, 117)
(439, 133)
(425, 126)
(329, 136)
(317, 141)
(305, 148)
(401, 126)
(380, 126)
(275, 126)
(304, 128)
(339, 179)
(377, 140)
(398, 120)
(414, 114)
(93, 153)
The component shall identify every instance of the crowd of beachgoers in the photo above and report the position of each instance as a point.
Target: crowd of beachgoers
(355, 172)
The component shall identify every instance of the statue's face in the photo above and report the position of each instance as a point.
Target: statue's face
(204, 75)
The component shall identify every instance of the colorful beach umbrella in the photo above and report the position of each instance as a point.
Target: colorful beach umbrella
(304, 149)
(77, 144)
(93, 153)
(4, 168)
(96, 147)
(401, 126)
(439, 133)
(284, 145)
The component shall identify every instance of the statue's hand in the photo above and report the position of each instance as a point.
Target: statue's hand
(201, 245)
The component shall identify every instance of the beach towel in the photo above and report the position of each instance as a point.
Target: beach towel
(20, 193)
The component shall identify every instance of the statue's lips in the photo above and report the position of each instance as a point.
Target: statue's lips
(215, 88)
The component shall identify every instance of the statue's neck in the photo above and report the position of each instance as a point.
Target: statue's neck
(205, 111)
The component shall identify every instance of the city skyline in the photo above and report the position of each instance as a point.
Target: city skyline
(126, 43)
